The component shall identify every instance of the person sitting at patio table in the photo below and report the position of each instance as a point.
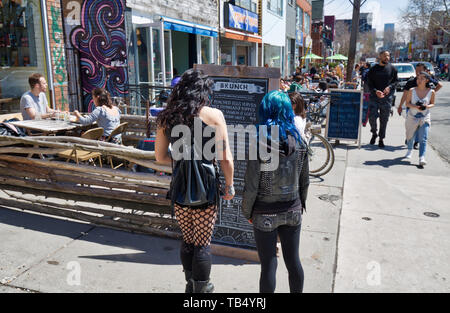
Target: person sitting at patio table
(106, 115)
(34, 104)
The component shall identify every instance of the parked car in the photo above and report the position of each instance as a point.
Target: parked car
(405, 72)
(428, 65)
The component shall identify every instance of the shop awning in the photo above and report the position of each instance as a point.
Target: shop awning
(188, 27)
(242, 36)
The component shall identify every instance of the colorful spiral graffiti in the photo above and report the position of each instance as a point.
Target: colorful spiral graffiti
(101, 42)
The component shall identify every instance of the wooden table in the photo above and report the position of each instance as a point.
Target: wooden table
(47, 126)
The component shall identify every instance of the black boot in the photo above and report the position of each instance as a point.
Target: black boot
(203, 286)
(189, 282)
(381, 143)
(372, 141)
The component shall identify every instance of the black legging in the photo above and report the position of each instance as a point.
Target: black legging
(266, 243)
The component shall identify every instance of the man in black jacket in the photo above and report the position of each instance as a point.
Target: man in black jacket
(382, 80)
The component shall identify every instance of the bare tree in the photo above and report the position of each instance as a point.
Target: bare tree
(342, 39)
(418, 15)
(368, 40)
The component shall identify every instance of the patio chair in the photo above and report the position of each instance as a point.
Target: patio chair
(118, 130)
(81, 155)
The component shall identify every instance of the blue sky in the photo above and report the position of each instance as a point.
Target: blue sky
(384, 11)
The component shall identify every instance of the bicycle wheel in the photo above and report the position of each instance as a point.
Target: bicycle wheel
(330, 163)
(319, 151)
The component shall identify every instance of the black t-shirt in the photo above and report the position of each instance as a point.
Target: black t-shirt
(380, 77)
(412, 83)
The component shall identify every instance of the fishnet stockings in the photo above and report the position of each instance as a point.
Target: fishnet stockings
(197, 225)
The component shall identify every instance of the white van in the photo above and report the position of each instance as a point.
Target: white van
(405, 72)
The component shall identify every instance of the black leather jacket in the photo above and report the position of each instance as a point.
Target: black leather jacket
(288, 182)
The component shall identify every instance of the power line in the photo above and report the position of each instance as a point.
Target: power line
(345, 10)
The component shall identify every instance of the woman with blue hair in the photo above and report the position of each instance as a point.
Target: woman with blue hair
(274, 197)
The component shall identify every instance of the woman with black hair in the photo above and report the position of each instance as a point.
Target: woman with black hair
(322, 87)
(188, 107)
(106, 115)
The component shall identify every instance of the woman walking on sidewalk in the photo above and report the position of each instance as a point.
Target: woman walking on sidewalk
(419, 101)
(194, 189)
(274, 199)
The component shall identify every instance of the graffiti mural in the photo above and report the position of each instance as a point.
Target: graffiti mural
(59, 62)
(101, 43)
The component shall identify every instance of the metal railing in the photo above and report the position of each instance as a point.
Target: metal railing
(141, 97)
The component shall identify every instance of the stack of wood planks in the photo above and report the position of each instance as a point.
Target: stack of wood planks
(135, 201)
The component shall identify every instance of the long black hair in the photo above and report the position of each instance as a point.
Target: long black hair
(192, 92)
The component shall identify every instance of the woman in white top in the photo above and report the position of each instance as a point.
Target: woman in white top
(298, 105)
(418, 119)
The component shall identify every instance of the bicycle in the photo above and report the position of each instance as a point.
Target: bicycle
(316, 110)
(320, 153)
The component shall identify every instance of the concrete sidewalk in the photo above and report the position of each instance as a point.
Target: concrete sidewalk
(378, 228)
(386, 243)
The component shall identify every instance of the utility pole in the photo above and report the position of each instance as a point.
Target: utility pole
(353, 37)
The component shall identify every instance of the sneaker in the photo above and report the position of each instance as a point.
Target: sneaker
(416, 146)
(422, 161)
(408, 154)
(372, 141)
(381, 143)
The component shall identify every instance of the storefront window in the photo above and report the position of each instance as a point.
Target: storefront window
(275, 6)
(143, 51)
(272, 56)
(299, 19)
(242, 55)
(21, 46)
(250, 5)
(226, 52)
(157, 71)
(206, 49)
(167, 56)
(307, 24)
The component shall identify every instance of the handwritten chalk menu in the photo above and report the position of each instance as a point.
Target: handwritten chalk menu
(239, 100)
(344, 115)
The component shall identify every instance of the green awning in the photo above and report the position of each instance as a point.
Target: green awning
(338, 57)
(312, 56)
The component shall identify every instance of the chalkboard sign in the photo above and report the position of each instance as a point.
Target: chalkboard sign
(344, 115)
(238, 92)
(238, 99)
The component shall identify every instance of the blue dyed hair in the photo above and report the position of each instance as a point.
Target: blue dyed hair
(276, 109)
